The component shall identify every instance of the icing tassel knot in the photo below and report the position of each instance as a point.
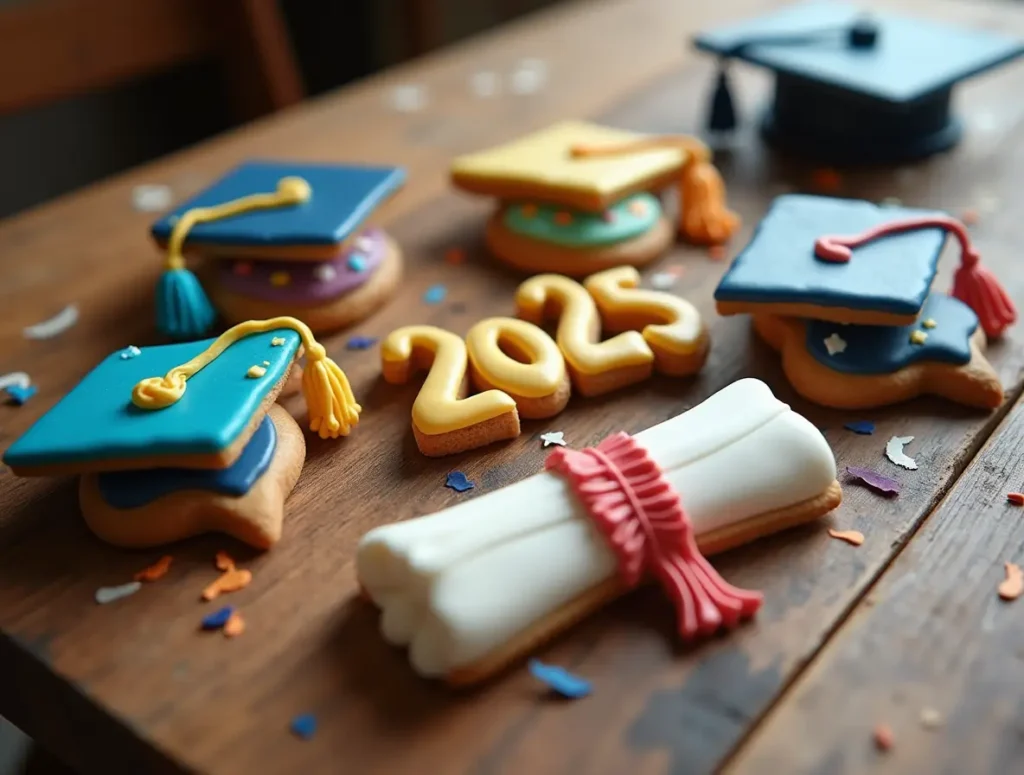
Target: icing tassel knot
(183, 310)
(333, 410)
(641, 517)
(973, 284)
(704, 217)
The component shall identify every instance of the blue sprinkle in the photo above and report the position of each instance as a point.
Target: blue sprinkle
(560, 680)
(19, 394)
(360, 342)
(217, 619)
(435, 294)
(863, 427)
(304, 726)
(458, 482)
(356, 262)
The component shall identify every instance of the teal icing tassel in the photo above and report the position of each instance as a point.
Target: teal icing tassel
(183, 310)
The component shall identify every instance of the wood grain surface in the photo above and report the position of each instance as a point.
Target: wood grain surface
(133, 687)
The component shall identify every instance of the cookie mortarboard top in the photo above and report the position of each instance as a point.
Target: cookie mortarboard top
(193, 405)
(851, 261)
(277, 211)
(880, 85)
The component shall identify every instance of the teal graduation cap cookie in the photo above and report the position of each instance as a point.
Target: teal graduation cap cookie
(338, 200)
(779, 273)
(855, 87)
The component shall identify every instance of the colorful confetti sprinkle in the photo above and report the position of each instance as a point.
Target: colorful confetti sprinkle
(242, 268)
(553, 437)
(874, 480)
(155, 571)
(1016, 498)
(325, 273)
(863, 427)
(234, 626)
(894, 451)
(1011, 587)
(662, 281)
(356, 262)
(970, 217)
(303, 726)
(106, 595)
(826, 180)
(930, 718)
(131, 351)
(151, 197)
(55, 326)
(360, 342)
(457, 481)
(17, 378)
(223, 561)
(455, 256)
(560, 680)
(853, 537)
(217, 619)
(231, 579)
(435, 294)
(883, 737)
(280, 279)
(20, 395)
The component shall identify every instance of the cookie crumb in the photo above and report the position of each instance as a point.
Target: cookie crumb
(884, 740)
(1011, 587)
(929, 323)
(918, 337)
(255, 372)
(853, 537)
(930, 718)
(277, 341)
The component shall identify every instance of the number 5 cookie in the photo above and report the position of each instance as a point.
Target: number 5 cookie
(181, 439)
(477, 587)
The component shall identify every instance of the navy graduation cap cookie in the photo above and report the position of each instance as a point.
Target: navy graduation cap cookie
(852, 87)
(279, 239)
(178, 439)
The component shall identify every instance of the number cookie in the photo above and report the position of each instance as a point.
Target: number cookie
(444, 421)
(523, 361)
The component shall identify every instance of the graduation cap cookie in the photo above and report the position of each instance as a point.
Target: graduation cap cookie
(842, 288)
(853, 87)
(279, 239)
(577, 198)
(180, 439)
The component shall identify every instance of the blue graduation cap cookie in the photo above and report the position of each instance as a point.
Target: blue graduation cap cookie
(852, 87)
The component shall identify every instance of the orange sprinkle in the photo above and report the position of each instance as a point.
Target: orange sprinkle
(854, 537)
(562, 218)
(1016, 498)
(454, 256)
(234, 626)
(223, 561)
(970, 217)
(155, 571)
(229, 581)
(1011, 587)
(716, 252)
(827, 180)
(884, 739)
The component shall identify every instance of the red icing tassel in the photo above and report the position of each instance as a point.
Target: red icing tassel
(641, 517)
(973, 284)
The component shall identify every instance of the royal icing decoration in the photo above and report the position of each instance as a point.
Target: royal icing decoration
(131, 489)
(887, 349)
(483, 578)
(834, 344)
(306, 282)
(629, 218)
(640, 516)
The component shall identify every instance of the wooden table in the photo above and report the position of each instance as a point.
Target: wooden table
(848, 638)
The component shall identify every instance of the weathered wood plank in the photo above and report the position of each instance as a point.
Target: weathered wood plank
(145, 684)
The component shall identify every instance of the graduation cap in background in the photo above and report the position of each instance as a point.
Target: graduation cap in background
(852, 87)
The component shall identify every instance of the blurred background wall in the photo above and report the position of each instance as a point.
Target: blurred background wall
(97, 86)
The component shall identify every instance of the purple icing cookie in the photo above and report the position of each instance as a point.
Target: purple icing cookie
(303, 281)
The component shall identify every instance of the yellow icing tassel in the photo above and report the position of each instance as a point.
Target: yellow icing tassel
(182, 309)
(332, 407)
(704, 217)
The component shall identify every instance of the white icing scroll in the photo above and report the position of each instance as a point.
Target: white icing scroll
(457, 584)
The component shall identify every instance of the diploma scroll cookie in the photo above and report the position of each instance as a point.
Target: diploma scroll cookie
(451, 586)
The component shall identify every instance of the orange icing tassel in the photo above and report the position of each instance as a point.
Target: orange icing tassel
(704, 218)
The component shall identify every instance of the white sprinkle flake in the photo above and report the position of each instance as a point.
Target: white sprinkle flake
(662, 281)
(131, 351)
(363, 244)
(556, 438)
(325, 273)
(55, 326)
(835, 344)
(408, 98)
(18, 379)
(106, 595)
(152, 198)
(485, 84)
(528, 77)
(931, 718)
(894, 451)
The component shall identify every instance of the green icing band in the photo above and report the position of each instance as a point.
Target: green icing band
(626, 219)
